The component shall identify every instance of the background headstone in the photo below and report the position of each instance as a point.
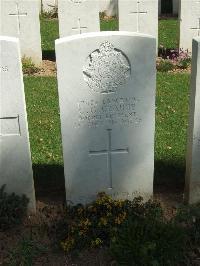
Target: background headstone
(192, 191)
(15, 160)
(189, 22)
(107, 108)
(20, 18)
(110, 7)
(49, 5)
(78, 16)
(139, 16)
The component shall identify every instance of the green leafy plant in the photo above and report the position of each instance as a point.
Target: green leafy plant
(13, 209)
(26, 252)
(165, 65)
(149, 242)
(28, 66)
(95, 224)
(189, 218)
(184, 63)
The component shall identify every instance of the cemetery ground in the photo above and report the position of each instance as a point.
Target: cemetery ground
(37, 241)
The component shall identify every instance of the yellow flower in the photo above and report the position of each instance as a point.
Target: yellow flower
(103, 221)
(120, 218)
(82, 232)
(118, 203)
(85, 223)
(68, 244)
(97, 242)
(117, 220)
(80, 210)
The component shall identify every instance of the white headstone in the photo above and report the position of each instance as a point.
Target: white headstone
(49, 5)
(110, 7)
(107, 104)
(192, 191)
(189, 22)
(78, 16)
(15, 160)
(139, 16)
(20, 18)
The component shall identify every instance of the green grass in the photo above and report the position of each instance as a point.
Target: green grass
(171, 124)
(168, 33)
(43, 114)
(49, 33)
(44, 130)
(107, 25)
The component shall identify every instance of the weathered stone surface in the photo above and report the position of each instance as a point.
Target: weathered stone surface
(49, 5)
(189, 23)
(78, 16)
(15, 160)
(20, 18)
(192, 191)
(110, 7)
(139, 16)
(107, 105)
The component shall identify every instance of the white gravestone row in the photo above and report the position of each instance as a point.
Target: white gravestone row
(189, 22)
(78, 16)
(20, 18)
(107, 105)
(15, 159)
(139, 16)
(193, 146)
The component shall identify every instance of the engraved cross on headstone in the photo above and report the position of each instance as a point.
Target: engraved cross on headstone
(138, 13)
(79, 28)
(18, 15)
(109, 152)
(197, 28)
(9, 126)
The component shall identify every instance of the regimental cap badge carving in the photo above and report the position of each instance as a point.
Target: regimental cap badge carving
(106, 69)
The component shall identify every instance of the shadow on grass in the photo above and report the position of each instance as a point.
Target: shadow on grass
(168, 53)
(49, 55)
(49, 182)
(169, 175)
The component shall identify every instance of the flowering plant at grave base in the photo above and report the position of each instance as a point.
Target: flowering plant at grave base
(170, 59)
(96, 224)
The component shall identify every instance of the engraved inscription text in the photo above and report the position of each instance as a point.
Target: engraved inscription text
(109, 111)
